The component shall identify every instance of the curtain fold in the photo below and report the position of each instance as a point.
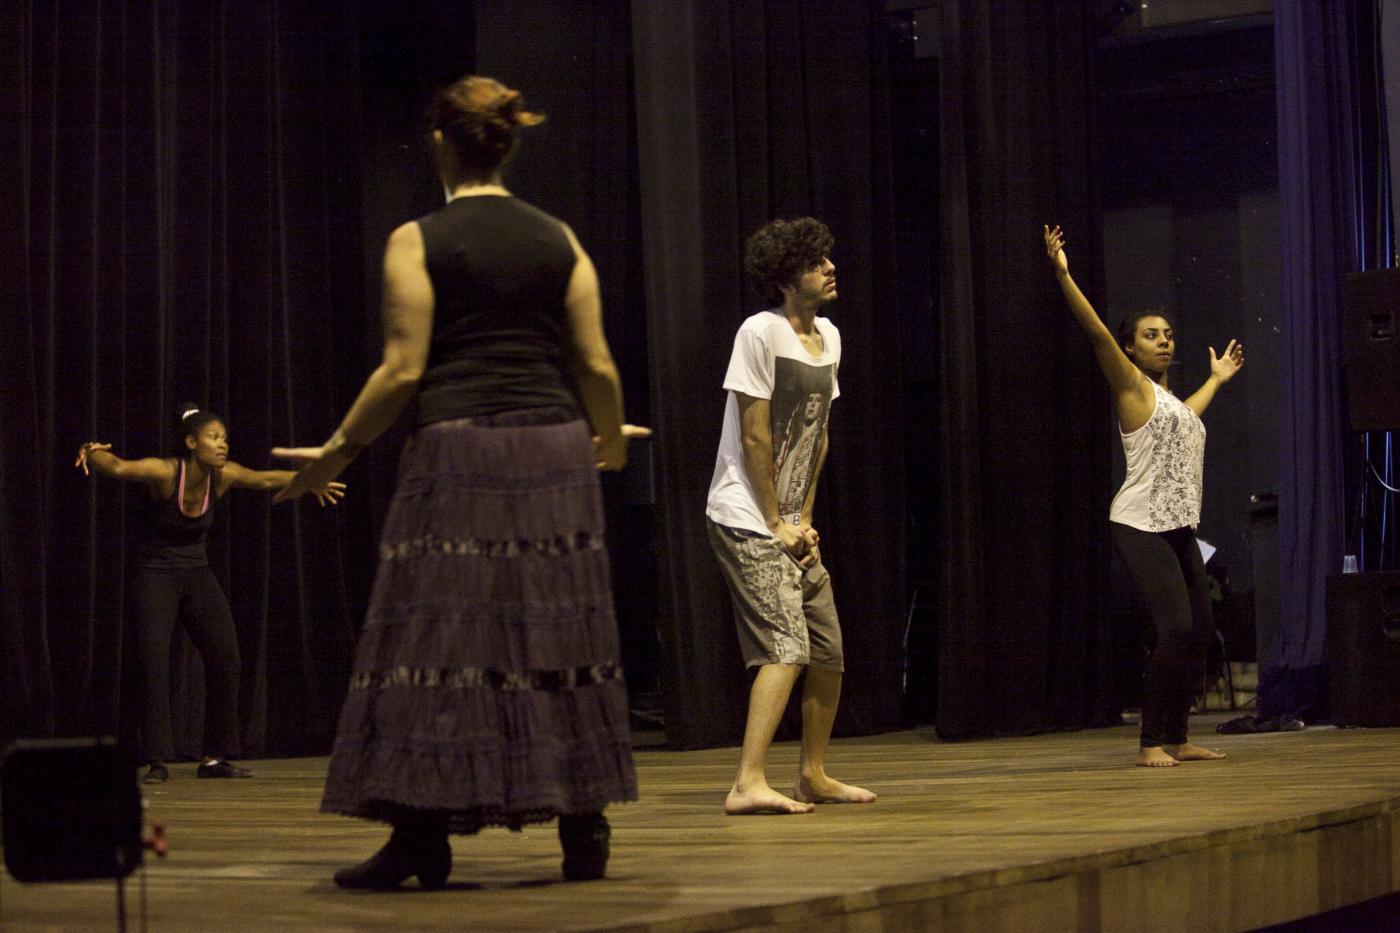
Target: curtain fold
(747, 112)
(1321, 224)
(1025, 443)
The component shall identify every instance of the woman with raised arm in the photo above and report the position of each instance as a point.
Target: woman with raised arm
(486, 688)
(174, 584)
(1154, 516)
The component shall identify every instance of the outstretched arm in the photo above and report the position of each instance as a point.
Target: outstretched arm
(95, 456)
(1133, 396)
(236, 475)
(1122, 375)
(1222, 370)
(408, 326)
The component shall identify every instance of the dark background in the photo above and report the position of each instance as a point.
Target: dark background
(196, 197)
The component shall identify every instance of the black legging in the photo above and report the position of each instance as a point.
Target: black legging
(1168, 571)
(191, 596)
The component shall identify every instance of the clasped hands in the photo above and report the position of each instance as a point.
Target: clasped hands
(800, 541)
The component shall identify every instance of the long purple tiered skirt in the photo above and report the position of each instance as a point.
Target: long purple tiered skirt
(486, 680)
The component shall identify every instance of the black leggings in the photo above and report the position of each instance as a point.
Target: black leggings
(1167, 569)
(192, 596)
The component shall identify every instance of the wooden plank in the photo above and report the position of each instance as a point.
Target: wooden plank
(1054, 832)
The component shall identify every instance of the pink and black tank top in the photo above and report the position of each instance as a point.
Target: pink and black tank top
(168, 538)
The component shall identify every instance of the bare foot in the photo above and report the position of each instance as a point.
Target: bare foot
(1188, 752)
(1155, 757)
(761, 799)
(826, 790)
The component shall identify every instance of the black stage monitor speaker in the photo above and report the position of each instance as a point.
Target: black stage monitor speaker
(1363, 647)
(1371, 346)
(71, 810)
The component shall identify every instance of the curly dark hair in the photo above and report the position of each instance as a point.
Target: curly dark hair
(781, 250)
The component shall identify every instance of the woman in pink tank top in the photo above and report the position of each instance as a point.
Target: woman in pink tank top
(174, 586)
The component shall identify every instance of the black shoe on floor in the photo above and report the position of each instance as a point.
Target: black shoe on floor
(584, 838)
(425, 854)
(156, 774)
(221, 768)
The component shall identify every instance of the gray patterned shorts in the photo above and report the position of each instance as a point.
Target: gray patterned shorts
(784, 614)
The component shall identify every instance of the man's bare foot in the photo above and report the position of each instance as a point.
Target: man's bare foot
(1155, 757)
(826, 790)
(1188, 752)
(761, 799)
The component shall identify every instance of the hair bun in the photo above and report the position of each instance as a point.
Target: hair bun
(512, 109)
(478, 116)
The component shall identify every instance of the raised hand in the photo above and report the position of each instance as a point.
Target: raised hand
(84, 451)
(1225, 366)
(1055, 248)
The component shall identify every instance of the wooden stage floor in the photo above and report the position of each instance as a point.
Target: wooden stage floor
(1055, 832)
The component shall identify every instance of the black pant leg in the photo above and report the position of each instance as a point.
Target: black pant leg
(209, 621)
(156, 607)
(1193, 572)
(1154, 567)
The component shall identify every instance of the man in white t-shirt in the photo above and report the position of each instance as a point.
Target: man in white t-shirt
(781, 383)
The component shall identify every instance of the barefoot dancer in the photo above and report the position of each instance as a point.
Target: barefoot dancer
(174, 583)
(781, 382)
(1154, 516)
(486, 688)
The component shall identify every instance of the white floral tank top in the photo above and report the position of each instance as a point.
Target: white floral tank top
(1165, 457)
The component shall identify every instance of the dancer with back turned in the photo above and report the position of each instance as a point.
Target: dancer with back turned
(486, 688)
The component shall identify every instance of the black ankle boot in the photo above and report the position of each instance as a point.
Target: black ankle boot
(584, 837)
(415, 851)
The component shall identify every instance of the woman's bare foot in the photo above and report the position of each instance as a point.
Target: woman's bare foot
(760, 798)
(826, 790)
(1188, 752)
(1155, 757)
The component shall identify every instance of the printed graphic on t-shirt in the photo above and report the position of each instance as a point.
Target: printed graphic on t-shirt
(799, 406)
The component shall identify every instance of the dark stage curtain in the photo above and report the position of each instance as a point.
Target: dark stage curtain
(406, 52)
(181, 222)
(1026, 442)
(1324, 220)
(571, 58)
(749, 111)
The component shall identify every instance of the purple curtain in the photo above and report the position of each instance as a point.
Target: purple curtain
(1320, 215)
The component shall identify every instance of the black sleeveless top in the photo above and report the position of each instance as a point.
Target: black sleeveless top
(169, 539)
(500, 269)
